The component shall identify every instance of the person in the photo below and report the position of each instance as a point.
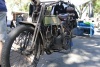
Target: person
(30, 9)
(3, 25)
(59, 9)
(32, 6)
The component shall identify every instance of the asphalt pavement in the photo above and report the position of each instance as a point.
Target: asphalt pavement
(85, 53)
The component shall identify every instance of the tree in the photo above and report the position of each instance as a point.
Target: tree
(96, 4)
(21, 5)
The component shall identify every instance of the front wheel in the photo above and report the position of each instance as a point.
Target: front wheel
(17, 50)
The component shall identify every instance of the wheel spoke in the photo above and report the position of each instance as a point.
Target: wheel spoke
(20, 44)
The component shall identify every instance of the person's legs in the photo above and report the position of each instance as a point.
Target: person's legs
(3, 31)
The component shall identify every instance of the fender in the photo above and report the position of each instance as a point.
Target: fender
(32, 24)
(40, 34)
(27, 23)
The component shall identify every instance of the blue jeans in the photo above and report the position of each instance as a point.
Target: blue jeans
(3, 26)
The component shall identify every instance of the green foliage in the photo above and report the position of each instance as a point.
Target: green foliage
(25, 7)
(96, 4)
(21, 5)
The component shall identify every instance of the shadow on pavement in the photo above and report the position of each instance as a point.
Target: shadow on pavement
(85, 53)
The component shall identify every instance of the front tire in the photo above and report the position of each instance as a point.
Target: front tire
(17, 45)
